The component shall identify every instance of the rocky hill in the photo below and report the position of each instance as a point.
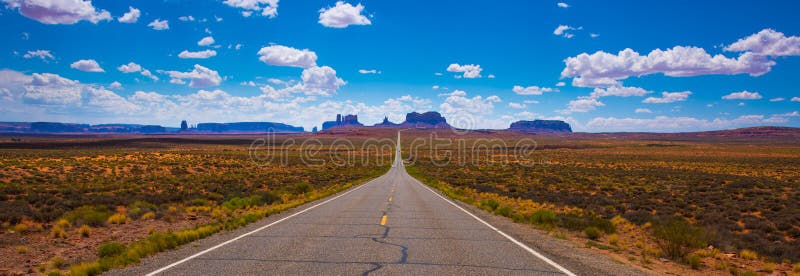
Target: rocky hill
(247, 127)
(430, 119)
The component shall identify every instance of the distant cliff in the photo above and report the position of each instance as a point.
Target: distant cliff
(346, 121)
(247, 127)
(430, 119)
(541, 126)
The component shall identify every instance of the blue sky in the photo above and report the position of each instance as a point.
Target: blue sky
(721, 64)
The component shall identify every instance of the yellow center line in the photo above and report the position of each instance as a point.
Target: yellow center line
(383, 220)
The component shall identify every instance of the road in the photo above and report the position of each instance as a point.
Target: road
(390, 225)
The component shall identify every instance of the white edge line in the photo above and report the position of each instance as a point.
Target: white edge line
(251, 232)
(530, 250)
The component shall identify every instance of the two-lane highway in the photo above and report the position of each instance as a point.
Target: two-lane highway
(390, 225)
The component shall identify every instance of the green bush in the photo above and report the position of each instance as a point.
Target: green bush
(694, 261)
(676, 237)
(543, 217)
(110, 249)
(88, 214)
(490, 204)
(504, 211)
(302, 188)
(592, 232)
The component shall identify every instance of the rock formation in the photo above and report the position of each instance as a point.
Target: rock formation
(247, 127)
(346, 121)
(430, 119)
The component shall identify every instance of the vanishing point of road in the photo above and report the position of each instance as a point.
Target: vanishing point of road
(391, 225)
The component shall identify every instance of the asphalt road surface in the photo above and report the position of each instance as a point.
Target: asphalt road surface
(390, 225)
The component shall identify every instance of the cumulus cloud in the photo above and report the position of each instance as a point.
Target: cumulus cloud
(200, 77)
(619, 91)
(131, 67)
(115, 85)
(343, 15)
(199, 54)
(268, 8)
(532, 90)
(471, 71)
(563, 5)
(643, 110)
(602, 69)
(159, 25)
(778, 99)
(87, 65)
(287, 56)
(131, 16)
(466, 112)
(669, 97)
(206, 41)
(744, 95)
(582, 104)
(767, 42)
(321, 81)
(42, 54)
(795, 99)
(59, 11)
(186, 18)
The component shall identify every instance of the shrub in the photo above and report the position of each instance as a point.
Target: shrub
(490, 204)
(58, 233)
(148, 215)
(63, 223)
(20, 228)
(749, 273)
(110, 249)
(592, 232)
(118, 218)
(57, 262)
(504, 211)
(85, 269)
(85, 231)
(543, 217)
(694, 261)
(302, 188)
(22, 249)
(88, 214)
(769, 267)
(676, 237)
(613, 239)
(796, 268)
(748, 254)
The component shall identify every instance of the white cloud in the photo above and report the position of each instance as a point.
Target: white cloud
(435, 87)
(470, 113)
(779, 99)
(131, 16)
(470, 71)
(669, 97)
(516, 105)
(52, 89)
(675, 124)
(87, 65)
(131, 67)
(603, 69)
(582, 104)
(532, 90)
(767, 42)
(563, 30)
(343, 15)
(286, 56)
(619, 91)
(744, 95)
(59, 11)
(115, 85)
(42, 54)
(206, 41)
(530, 102)
(371, 71)
(593, 35)
(563, 5)
(268, 8)
(200, 77)
(159, 25)
(199, 54)
(186, 18)
(741, 104)
(560, 84)
(781, 118)
(321, 81)
(795, 99)
(643, 110)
